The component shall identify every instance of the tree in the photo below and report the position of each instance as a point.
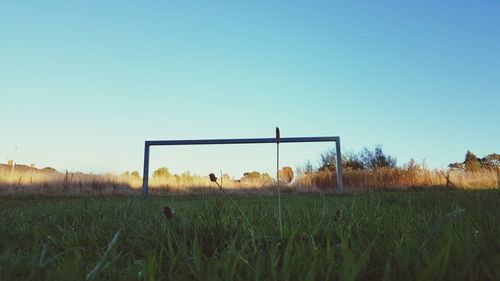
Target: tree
(251, 176)
(305, 169)
(456, 165)
(494, 158)
(376, 158)
(256, 177)
(366, 159)
(471, 162)
(49, 170)
(265, 178)
(135, 174)
(328, 160)
(412, 165)
(162, 172)
(352, 161)
(286, 175)
(490, 161)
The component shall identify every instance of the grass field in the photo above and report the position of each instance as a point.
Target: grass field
(418, 235)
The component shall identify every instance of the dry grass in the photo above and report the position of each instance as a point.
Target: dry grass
(76, 184)
(396, 178)
(40, 183)
(35, 182)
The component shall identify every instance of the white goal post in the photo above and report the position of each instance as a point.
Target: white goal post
(276, 140)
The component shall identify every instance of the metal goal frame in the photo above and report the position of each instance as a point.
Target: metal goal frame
(149, 143)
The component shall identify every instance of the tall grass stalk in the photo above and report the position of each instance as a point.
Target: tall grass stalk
(280, 218)
(214, 179)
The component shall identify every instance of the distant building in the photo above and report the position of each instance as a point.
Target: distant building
(11, 166)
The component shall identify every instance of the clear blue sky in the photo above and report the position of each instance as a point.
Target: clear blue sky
(84, 83)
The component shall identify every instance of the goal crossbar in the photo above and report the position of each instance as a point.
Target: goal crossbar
(150, 143)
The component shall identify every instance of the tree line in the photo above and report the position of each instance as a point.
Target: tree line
(371, 159)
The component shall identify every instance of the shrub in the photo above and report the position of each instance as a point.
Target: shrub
(286, 175)
(471, 162)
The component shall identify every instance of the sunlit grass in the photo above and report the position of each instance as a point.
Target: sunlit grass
(35, 182)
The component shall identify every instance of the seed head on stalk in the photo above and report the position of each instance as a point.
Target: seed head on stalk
(213, 178)
(168, 212)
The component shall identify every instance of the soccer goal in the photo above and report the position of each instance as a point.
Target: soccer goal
(276, 140)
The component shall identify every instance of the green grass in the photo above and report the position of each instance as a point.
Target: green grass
(420, 235)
